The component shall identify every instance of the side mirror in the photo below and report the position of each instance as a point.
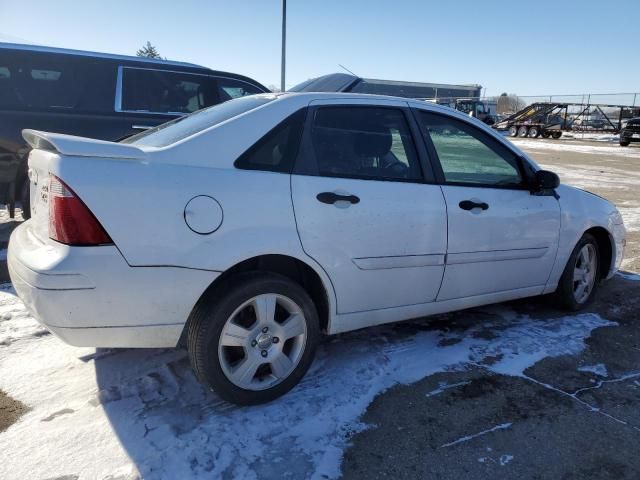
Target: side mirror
(545, 180)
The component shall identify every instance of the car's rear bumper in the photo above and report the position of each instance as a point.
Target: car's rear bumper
(90, 296)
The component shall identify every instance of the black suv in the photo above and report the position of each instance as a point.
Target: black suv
(95, 95)
(631, 132)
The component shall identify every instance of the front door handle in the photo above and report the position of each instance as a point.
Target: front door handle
(141, 127)
(470, 205)
(331, 198)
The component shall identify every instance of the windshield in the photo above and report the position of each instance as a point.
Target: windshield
(183, 127)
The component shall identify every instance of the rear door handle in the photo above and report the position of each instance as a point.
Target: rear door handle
(470, 205)
(331, 198)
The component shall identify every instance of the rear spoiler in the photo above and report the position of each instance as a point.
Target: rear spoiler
(80, 146)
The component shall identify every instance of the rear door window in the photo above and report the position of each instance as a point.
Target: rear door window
(372, 143)
(163, 91)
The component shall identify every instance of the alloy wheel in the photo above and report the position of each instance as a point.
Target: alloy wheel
(262, 342)
(584, 273)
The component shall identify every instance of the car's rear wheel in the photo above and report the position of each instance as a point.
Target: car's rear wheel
(523, 132)
(579, 280)
(513, 131)
(253, 340)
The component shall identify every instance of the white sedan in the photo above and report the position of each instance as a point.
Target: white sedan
(245, 230)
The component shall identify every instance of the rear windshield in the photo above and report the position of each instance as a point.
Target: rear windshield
(183, 127)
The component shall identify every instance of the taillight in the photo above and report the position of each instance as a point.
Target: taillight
(70, 221)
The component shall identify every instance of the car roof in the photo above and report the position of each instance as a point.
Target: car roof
(85, 53)
(128, 58)
(310, 96)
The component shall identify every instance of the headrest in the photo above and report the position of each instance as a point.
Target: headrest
(374, 142)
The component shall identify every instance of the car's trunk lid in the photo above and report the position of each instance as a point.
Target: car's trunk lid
(49, 150)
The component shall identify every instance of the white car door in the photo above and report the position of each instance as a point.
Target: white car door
(501, 236)
(363, 209)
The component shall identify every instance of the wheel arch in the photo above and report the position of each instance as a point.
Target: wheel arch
(606, 246)
(301, 272)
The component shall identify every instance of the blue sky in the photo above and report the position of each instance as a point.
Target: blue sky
(528, 48)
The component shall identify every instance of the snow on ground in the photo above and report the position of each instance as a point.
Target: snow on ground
(105, 414)
(565, 146)
(629, 276)
(631, 216)
(594, 137)
(599, 369)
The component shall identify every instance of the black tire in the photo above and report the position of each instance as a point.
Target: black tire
(513, 131)
(534, 132)
(546, 134)
(523, 132)
(624, 144)
(25, 199)
(210, 316)
(565, 292)
(556, 135)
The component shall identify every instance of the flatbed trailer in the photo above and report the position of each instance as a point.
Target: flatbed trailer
(550, 119)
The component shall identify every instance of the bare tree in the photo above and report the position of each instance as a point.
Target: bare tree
(509, 103)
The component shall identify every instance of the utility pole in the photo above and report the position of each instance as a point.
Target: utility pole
(284, 44)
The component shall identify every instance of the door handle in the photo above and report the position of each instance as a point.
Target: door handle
(331, 198)
(470, 205)
(141, 127)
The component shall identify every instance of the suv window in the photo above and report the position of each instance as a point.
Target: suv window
(161, 91)
(229, 88)
(364, 142)
(50, 83)
(276, 151)
(468, 155)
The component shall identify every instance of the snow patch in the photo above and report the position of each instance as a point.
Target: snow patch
(629, 276)
(504, 459)
(141, 413)
(599, 369)
(565, 146)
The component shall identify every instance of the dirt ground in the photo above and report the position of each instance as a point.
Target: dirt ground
(554, 422)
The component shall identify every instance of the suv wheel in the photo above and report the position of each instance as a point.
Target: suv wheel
(579, 280)
(253, 340)
(522, 132)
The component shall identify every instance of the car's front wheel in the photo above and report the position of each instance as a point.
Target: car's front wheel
(254, 339)
(579, 280)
